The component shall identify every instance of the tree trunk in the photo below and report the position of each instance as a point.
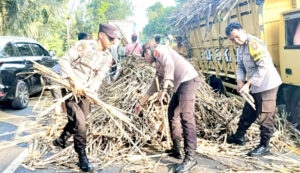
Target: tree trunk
(2, 16)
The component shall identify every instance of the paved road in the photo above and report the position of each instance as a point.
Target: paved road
(12, 120)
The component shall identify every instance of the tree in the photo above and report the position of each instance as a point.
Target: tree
(16, 15)
(119, 9)
(81, 24)
(155, 11)
(158, 17)
(96, 13)
(22, 17)
(38, 19)
(99, 11)
(48, 21)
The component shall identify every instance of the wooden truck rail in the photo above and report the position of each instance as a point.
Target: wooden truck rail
(273, 21)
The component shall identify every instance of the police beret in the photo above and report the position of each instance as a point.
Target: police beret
(108, 29)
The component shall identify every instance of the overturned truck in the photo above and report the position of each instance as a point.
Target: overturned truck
(203, 23)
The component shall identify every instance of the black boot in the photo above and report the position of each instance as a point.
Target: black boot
(238, 138)
(261, 150)
(188, 163)
(61, 141)
(175, 150)
(84, 163)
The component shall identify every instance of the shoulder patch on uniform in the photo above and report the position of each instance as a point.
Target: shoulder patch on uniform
(81, 47)
(156, 53)
(257, 50)
(253, 45)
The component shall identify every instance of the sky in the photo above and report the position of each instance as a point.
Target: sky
(140, 13)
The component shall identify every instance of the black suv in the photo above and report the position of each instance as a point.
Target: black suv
(15, 56)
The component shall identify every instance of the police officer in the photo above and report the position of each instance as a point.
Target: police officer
(254, 60)
(84, 65)
(174, 70)
(57, 92)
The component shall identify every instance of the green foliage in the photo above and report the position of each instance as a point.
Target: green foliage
(48, 20)
(16, 15)
(56, 37)
(56, 43)
(81, 24)
(158, 17)
(155, 11)
(118, 9)
(96, 10)
(45, 16)
(99, 11)
(36, 19)
(21, 17)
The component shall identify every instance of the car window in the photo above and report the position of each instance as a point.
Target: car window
(8, 50)
(24, 49)
(292, 31)
(38, 50)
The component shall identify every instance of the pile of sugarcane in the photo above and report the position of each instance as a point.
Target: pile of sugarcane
(116, 135)
(197, 12)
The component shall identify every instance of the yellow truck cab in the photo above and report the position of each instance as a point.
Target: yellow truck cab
(276, 22)
(289, 46)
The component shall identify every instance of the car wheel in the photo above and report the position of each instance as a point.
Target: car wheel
(22, 96)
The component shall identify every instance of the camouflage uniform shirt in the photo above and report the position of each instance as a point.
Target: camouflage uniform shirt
(88, 64)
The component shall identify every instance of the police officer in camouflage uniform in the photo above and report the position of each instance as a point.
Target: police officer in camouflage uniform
(254, 60)
(84, 65)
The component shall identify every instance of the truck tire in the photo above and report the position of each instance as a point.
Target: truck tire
(22, 96)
